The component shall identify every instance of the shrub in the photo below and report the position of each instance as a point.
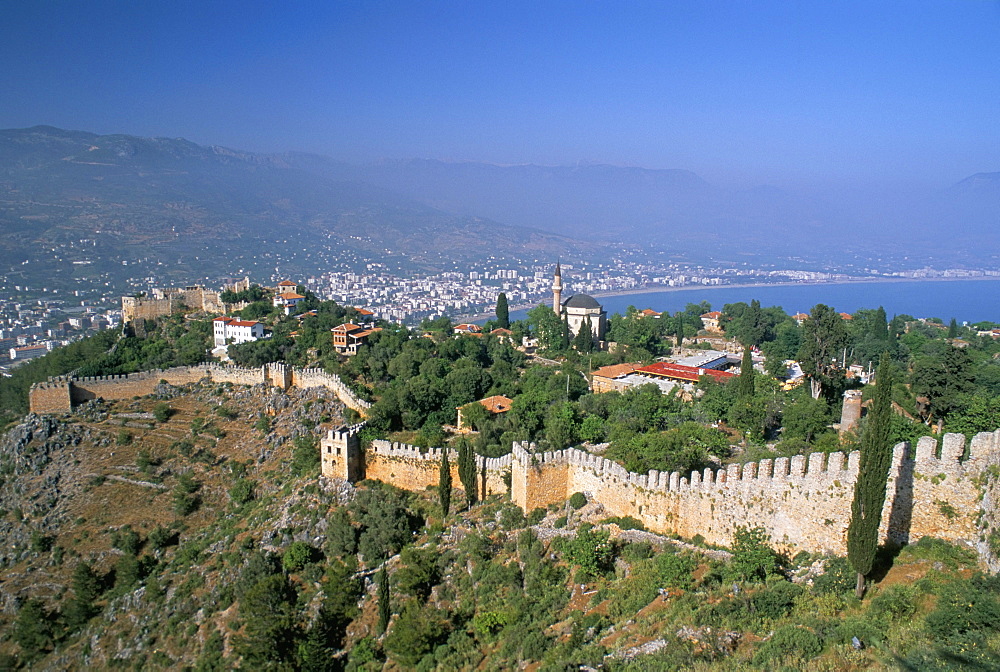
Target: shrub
(297, 556)
(625, 522)
(777, 599)
(225, 412)
(537, 516)
(676, 570)
(126, 540)
(791, 641)
(578, 500)
(162, 411)
(753, 559)
(559, 522)
(242, 491)
(124, 438)
(512, 517)
(896, 601)
(839, 577)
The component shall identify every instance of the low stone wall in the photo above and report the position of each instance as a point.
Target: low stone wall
(59, 395)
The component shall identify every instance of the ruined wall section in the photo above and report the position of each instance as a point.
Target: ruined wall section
(306, 378)
(58, 395)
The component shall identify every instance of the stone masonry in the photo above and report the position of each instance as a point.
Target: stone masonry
(59, 395)
(803, 502)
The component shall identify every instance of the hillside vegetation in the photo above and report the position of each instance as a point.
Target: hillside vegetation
(190, 528)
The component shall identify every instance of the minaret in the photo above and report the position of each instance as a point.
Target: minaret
(557, 290)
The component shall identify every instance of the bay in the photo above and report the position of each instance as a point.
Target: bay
(965, 300)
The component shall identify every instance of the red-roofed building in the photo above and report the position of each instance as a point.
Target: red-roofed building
(495, 405)
(846, 316)
(609, 378)
(288, 301)
(800, 318)
(348, 337)
(649, 312)
(470, 329)
(231, 330)
(687, 374)
(711, 322)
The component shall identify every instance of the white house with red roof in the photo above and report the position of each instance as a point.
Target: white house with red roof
(288, 301)
(232, 330)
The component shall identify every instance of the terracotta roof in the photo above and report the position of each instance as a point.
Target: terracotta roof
(714, 315)
(649, 312)
(496, 404)
(287, 283)
(347, 327)
(291, 296)
(846, 316)
(682, 372)
(243, 323)
(615, 370)
(503, 332)
(364, 311)
(468, 328)
(800, 316)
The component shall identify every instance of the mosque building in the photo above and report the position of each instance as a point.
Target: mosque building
(578, 308)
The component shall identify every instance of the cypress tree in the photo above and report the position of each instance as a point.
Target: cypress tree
(382, 593)
(467, 471)
(873, 474)
(503, 312)
(953, 329)
(584, 340)
(444, 483)
(680, 329)
(745, 383)
(566, 333)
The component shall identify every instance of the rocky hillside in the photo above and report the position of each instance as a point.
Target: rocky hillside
(191, 529)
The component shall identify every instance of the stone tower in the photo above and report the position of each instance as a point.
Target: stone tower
(557, 287)
(340, 454)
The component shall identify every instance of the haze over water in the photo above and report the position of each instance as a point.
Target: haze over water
(965, 300)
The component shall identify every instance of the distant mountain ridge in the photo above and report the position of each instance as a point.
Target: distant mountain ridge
(188, 211)
(78, 207)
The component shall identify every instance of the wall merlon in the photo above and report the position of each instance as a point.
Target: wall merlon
(835, 463)
(797, 466)
(926, 449)
(952, 447)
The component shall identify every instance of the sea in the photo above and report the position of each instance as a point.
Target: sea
(968, 301)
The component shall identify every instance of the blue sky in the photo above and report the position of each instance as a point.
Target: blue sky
(789, 93)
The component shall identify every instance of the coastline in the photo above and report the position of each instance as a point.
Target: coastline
(662, 289)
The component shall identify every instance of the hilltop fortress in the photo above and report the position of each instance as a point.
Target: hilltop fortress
(949, 490)
(804, 502)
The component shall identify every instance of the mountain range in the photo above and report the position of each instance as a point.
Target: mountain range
(185, 212)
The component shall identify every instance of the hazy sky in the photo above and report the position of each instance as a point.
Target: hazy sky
(739, 92)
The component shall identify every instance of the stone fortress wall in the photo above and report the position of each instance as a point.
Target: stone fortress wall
(59, 395)
(803, 502)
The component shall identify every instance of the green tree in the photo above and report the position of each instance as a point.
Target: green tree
(34, 629)
(80, 607)
(270, 633)
(873, 473)
(502, 312)
(953, 329)
(547, 327)
(382, 595)
(584, 339)
(753, 558)
(467, 472)
(824, 336)
(444, 482)
(745, 383)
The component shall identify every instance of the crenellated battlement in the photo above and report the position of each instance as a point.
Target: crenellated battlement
(803, 502)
